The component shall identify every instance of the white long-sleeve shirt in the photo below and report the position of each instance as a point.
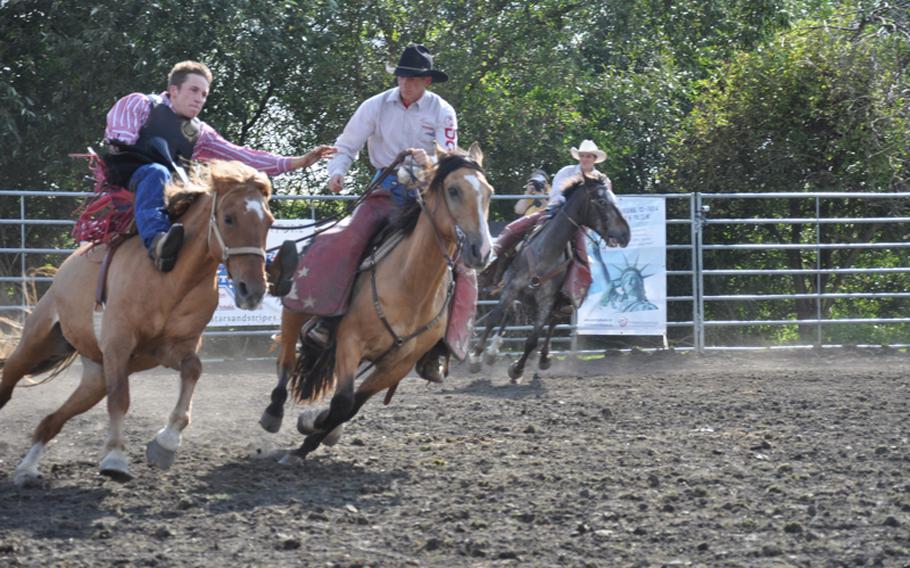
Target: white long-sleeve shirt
(388, 127)
(563, 175)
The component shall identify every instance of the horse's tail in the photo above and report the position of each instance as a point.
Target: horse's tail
(314, 375)
(58, 357)
(53, 365)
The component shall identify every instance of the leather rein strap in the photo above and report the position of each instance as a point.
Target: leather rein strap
(397, 340)
(226, 251)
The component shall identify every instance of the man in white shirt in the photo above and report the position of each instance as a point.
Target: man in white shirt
(406, 117)
(587, 155)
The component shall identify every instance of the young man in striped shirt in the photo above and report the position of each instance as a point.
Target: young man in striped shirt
(138, 119)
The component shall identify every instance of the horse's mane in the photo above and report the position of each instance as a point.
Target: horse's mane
(580, 180)
(217, 176)
(406, 218)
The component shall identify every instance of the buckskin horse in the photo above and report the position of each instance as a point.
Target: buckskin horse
(149, 318)
(398, 309)
(537, 272)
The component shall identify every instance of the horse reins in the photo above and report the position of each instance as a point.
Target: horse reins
(333, 220)
(539, 278)
(397, 340)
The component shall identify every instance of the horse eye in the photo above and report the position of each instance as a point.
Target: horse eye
(228, 219)
(453, 191)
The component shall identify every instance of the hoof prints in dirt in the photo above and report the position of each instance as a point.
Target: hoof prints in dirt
(752, 461)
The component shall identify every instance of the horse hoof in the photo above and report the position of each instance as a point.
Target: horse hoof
(544, 364)
(117, 475)
(332, 437)
(476, 366)
(158, 455)
(270, 423)
(490, 359)
(25, 479)
(306, 422)
(115, 466)
(515, 373)
(290, 459)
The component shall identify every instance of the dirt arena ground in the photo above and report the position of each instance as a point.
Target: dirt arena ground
(635, 460)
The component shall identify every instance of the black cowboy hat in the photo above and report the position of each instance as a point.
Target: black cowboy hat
(416, 61)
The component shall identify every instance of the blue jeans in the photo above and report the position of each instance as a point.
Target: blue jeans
(401, 195)
(151, 216)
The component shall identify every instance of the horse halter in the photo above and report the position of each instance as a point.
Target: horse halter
(423, 186)
(226, 251)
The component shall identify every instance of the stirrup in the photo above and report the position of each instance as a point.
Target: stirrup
(434, 364)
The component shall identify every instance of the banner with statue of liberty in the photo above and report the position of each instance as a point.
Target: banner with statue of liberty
(629, 293)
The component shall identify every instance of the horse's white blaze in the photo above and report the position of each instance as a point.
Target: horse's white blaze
(254, 204)
(169, 438)
(487, 244)
(28, 467)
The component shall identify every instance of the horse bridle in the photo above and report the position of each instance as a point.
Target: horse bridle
(538, 278)
(226, 251)
(398, 340)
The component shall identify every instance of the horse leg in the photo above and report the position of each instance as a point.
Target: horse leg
(506, 306)
(386, 378)
(341, 408)
(291, 324)
(89, 392)
(41, 348)
(476, 356)
(163, 447)
(516, 369)
(544, 363)
(115, 463)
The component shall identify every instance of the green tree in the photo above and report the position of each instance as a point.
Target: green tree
(823, 107)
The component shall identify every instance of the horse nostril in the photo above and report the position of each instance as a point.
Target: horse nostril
(475, 250)
(243, 289)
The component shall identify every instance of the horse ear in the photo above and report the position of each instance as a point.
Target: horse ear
(439, 150)
(476, 153)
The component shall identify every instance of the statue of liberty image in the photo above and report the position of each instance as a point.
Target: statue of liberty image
(626, 286)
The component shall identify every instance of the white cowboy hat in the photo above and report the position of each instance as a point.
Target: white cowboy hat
(589, 147)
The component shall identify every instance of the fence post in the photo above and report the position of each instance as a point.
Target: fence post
(698, 214)
(22, 263)
(818, 274)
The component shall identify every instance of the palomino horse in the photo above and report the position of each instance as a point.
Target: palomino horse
(398, 309)
(536, 274)
(150, 318)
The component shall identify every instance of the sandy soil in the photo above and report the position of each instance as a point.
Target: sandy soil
(635, 460)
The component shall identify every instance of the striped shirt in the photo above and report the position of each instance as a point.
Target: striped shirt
(128, 115)
(387, 127)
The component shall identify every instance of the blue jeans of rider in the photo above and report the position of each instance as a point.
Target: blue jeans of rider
(151, 215)
(401, 195)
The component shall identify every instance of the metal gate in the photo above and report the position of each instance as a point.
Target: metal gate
(708, 267)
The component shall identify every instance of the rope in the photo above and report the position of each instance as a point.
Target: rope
(336, 218)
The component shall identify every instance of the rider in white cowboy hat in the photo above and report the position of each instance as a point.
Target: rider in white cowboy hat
(587, 155)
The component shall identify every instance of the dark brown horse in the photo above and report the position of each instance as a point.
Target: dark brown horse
(398, 309)
(150, 318)
(536, 274)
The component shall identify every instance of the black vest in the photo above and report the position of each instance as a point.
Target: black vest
(180, 134)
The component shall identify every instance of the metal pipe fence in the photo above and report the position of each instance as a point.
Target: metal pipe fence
(733, 281)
